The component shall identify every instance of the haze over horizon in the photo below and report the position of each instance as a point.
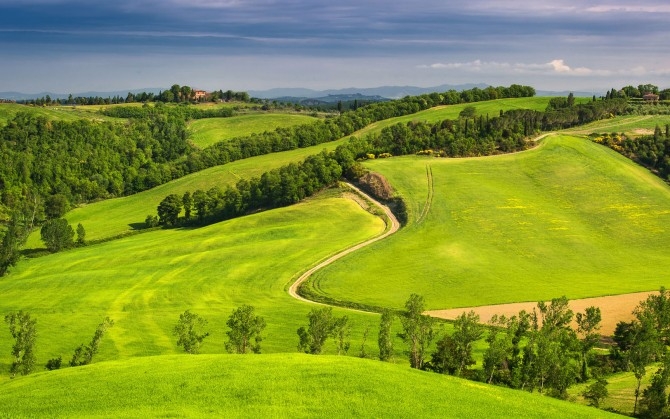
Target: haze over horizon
(76, 45)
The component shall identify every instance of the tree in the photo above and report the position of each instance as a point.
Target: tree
(588, 324)
(81, 235)
(57, 234)
(468, 112)
(467, 331)
(654, 402)
(418, 330)
(55, 206)
(497, 355)
(187, 201)
(318, 330)
(363, 353)
(385, 339)
(22, 329)
(189, 332)
(10, 246)
(169, 209)
(244, 327)
(596, 392)
(341, 332)
(83, 355)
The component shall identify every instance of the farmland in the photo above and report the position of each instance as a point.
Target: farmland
(566, 218)
(205, 132)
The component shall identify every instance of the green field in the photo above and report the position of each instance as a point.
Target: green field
(631, 125)
(205, 132)
(621, 389)
(440, 113)
(264, 386)
(120, 216)
(60, 113)
(569, 217)
(145, 281)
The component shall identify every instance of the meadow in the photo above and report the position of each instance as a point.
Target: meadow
(568, 217)
(145, 281)
(59, 113)
(630, 125)
(286, 385)
(205, 132)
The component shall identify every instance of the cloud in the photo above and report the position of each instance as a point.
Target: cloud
(554, 67)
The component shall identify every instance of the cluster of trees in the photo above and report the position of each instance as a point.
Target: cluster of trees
(565, 116)
(24, 332)
(176, 94)
(650, 151)
(184, 111)
(276, 188)
(244, 331)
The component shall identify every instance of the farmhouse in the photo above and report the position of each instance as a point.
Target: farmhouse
(199, 94)
(650, 97)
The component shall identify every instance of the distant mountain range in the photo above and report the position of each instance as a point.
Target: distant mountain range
(299, 94)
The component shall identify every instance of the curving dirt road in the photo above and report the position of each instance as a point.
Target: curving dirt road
(395, 225)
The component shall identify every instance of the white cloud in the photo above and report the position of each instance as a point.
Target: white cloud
(557, 66)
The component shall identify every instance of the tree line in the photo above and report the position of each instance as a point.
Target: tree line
(175, 94)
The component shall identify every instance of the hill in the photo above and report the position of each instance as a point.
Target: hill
(288, 385)
(205, 132)
(569, 217)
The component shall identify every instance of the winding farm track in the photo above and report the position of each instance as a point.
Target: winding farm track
(395, 225)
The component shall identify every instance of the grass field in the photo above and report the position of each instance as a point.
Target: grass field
(60, 113)
(569, 217)
(145, 281)
(205, 132)
(288, 385)
(631, 125)
(621, 389)
(440, 113)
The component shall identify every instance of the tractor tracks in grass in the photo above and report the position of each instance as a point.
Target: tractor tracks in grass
(429, 197)
(392, 225)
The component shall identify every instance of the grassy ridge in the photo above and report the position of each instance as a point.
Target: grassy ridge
(61, 113)
(567, 218)
(439, 113)
(145, 281)
(114, 217)
(268, 386)
(205, 132)
(631, 125)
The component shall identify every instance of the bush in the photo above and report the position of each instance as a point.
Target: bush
(54, 363)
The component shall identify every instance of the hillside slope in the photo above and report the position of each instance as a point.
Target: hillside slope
(567, 218)
(289, 385)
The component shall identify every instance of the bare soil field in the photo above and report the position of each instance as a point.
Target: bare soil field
(614, 308)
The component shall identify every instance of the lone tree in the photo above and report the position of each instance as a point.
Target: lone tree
(83, 355)
(22, 328)
(244, 326)
(189, 332)
(57, 234)
(418, 330)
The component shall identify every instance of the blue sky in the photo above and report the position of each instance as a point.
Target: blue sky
(81, 45)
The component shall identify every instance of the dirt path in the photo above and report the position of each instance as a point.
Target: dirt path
(614, 308)
(395, 225)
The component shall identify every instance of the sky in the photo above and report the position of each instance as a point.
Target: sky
(70, 46)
